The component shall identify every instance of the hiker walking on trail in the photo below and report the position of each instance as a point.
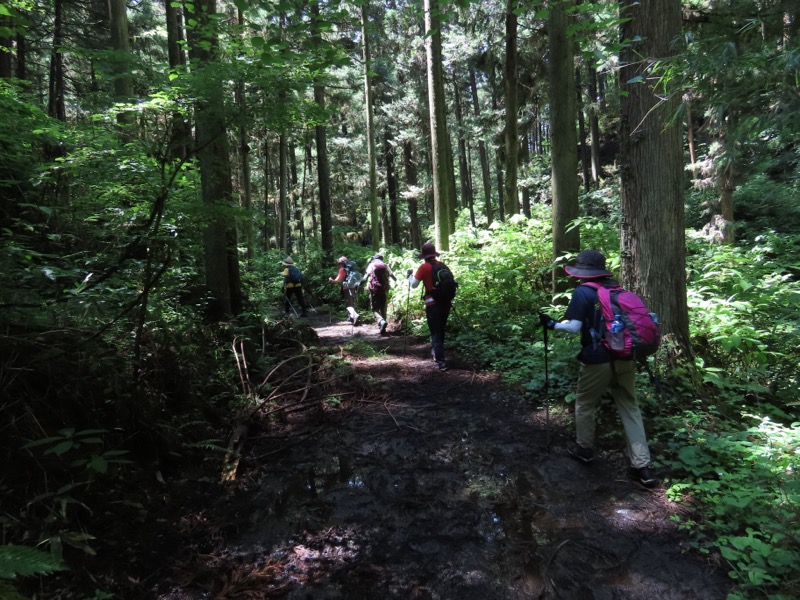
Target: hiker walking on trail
(293, 286)
(377, 276)
(350, 279)
(438, 301)
(599, 371)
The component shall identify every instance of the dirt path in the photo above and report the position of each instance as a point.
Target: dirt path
(437, 486)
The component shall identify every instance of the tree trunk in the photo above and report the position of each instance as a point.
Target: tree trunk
(372, 189)
(283, 194)
(594, 126)
(510, 192)
(221, 260)
(463, 170)
(121, 72)
(438, 125)
(56, 105)
(584, 148)
(690, 139)
(563, 139)
(180, 138)
(412, 183)
(323, 169)
(6, 47)
(525, 154)
(652, 228)
(485, 175)
(391, 187)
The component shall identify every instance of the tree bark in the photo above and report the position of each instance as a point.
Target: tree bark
(511, 142)
(56, 105)
(180, 137)
(391, 187)
(412, 183)
(563, 139)
(221, 259)
(485, 175)
(6, 48)
(372, 189)
(438, 126)
(652, 196)
(321, 138)
(594, 126)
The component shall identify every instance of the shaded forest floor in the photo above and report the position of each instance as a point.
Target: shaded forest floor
(431, 486)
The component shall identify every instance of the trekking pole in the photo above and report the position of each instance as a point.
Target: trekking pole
(546, 391)
(289, 302)
(405, 337)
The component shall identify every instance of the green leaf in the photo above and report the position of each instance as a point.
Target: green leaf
(24, 561)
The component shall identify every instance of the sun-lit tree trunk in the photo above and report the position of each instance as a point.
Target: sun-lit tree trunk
(463, 169)
(412, 182)
(511, 141)
(690, 136)
(594, 125)
(484, 160)
(651, 195)
(585, 153)
(372, 187)
(321, 139)
(283, 193)
(391, 187)
(438, 125)
(118, 20)
(563, 137)
(246, 194)
(221, 258)
(525, 156)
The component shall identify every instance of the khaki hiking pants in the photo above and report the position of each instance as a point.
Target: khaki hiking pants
(617, 378)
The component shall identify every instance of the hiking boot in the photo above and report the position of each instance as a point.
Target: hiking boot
(585, 455)
(645, 476)
(442, 365)
(383, 327)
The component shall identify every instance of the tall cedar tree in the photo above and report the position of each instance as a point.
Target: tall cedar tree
(564, 139)
(652, 229)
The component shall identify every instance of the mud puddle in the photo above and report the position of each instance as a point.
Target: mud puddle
(441, 486)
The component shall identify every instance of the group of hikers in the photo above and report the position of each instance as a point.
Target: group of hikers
(603, 367)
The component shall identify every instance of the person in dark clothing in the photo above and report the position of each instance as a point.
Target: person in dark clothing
(293, 286)
(377, 275)
(436, 312)
(599, 372)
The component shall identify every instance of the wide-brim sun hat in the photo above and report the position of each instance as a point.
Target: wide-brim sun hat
(288, 262)
(589, 264)
(428, 251)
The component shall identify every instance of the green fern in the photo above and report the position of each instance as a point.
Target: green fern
(25, 561)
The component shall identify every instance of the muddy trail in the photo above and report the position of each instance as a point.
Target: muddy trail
(435, 486)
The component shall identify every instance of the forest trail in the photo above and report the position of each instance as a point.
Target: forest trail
(434, 486)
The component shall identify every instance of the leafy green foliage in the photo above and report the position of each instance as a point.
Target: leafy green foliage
(22, 561)
(745, 487)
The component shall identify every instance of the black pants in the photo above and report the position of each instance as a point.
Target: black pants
(436, 315)
(297, 292)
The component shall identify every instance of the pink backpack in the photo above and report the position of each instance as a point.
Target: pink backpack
(628, 329)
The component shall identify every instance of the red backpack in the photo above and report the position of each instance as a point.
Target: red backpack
(627, 329)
